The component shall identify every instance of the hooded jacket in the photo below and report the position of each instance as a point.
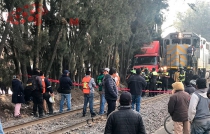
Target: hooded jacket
(136, 84)
(110, 88)
(65, 84)
(199, 105)
(178, 103)
(189, 89)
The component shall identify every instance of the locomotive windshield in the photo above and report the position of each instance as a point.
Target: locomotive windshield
(150, 60)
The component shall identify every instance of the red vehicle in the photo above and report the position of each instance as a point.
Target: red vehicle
(149, 57)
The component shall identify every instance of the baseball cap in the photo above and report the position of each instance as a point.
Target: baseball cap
(65, 71)
(125, 98)
(106, 69)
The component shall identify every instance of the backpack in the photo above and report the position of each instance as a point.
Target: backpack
(31, 83)
(30, 86)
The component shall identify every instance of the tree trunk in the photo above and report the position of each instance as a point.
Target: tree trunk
(54, 51)
(39, 21)
(6, 31)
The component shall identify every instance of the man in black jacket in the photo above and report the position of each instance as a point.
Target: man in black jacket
(189, 88)
(110, 90)
(136, 83)
(65, 90)
(125, 120)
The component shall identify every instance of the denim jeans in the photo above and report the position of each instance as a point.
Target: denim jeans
(200, 127)
(66, 97)
(88, 98)
(1, 129)
(136, 99)
(102, 103)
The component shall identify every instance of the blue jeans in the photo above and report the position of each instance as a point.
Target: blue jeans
(136, 99)
(1, 129)
(88, 98)
(66, 97)
(200, 127)
(102, 103)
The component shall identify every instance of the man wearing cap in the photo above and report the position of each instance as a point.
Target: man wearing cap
(125, 120)
(65, 90)
(110, 90)
(178, 107)
(136, 84)
(198, 112)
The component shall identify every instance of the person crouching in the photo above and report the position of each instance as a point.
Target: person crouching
(178, 109)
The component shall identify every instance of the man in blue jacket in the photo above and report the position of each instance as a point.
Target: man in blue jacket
(110, 89)
(136, 84)
(65, 90)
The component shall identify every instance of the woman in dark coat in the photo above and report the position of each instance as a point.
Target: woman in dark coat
(17, 96)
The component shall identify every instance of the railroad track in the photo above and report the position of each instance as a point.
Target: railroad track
(65, 114)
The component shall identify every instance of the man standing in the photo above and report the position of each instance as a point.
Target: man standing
(182, 75)
(136, 84)
(178, 107)
(153, 83)
(100, 79)
(165, 77)
(190, 54)
(125, 120)
(88, 85)
(37, 93)
(110, 90)
(198, 112)
(65, 90)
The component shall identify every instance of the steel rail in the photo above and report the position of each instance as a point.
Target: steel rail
(60, 115)
(44, 119)
(83, 123)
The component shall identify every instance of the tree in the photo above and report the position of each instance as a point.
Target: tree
(195, 20)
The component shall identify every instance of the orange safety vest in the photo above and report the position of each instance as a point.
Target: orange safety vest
(85, 86)
(43, 84)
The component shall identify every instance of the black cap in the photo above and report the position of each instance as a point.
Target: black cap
(65, 71)
(201, 83)
(125, 98)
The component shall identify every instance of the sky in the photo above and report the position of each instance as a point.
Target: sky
(175, 6)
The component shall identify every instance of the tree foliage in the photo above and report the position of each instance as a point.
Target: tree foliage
(195, 20)
(107, 35)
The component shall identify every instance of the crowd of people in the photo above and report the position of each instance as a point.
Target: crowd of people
(187, 106)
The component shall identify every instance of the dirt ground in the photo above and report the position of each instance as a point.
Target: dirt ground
(7, 107)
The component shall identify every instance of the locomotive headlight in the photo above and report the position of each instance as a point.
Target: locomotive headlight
(164, 68)
(180, 35)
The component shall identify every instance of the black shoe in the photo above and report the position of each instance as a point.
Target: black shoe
(40, 116)
(83, 115)
(35, 115)
(93, 115)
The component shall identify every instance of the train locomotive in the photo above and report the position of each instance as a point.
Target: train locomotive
(174, 55)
